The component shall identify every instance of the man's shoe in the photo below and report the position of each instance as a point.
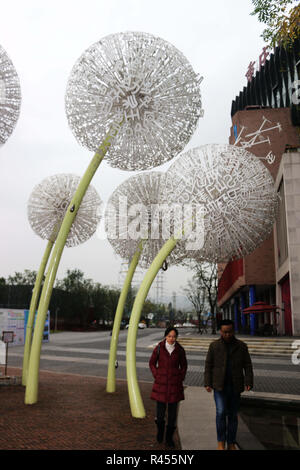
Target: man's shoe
(231, 447)
(221, 445)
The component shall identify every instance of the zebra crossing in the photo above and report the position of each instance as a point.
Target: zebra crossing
(87, 354)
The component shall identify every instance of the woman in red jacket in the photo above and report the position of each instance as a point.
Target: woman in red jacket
(168, 365)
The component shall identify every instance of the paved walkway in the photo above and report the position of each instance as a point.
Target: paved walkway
(197, 417)
(87, 354)
(196, 420)
(74, 412)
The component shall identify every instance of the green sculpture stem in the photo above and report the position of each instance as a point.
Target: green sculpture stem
(31, 393)
(32, 309)
(135, 399)
(111, 374)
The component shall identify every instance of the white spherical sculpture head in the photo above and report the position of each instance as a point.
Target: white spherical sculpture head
(10, 96)
(134, 212)
(49, 201)
(143, 80)
(234, 195)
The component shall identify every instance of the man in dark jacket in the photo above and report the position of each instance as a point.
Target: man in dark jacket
(228, 371)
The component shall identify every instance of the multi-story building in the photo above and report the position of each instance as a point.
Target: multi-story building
(266, 120)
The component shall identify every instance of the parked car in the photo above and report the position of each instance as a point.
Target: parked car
(188, 324)
(140, 325)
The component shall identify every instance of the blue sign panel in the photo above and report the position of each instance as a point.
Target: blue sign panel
(46, 334)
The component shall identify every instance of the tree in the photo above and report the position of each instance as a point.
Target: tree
(113, 299)
(281, 18)
(99, 300)
(148, 307)
(130, 301)
(81, 290)
(181, 316)
(27, 278)
(206, 276)
(196, 294)
(74, 281)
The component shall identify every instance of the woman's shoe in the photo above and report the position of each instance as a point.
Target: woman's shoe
(169, 436)
(160, 431)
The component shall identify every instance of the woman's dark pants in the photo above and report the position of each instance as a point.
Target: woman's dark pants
(160, 421)
(161, 411)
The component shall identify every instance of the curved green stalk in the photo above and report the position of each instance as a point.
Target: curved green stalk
(32, 310)
(111, 374)
(31, 393)
(135, 399)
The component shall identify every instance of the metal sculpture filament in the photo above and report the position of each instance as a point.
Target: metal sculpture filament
(133, 223)
(147, 82)
(46, 209)
(123, 87)
(49, 201)
(134, 213)
(10, 96)
(235, 194)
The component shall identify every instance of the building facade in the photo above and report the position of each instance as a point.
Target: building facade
(266, 121)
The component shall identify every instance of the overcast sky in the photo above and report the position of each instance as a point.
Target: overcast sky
(44, 39)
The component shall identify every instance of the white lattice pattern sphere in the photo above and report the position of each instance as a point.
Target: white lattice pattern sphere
(147, 82)
(49, 201)
(235, 197)
(134, 213)
(10, 96)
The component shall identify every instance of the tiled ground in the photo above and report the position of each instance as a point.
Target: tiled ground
(75, 413)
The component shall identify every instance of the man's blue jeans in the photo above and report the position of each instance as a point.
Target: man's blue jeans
(227, 406)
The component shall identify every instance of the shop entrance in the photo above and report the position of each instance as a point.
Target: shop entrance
(286, 300)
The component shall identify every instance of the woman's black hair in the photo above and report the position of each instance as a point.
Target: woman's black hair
(171, 328)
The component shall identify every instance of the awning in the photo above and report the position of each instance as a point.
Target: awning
(260, 307)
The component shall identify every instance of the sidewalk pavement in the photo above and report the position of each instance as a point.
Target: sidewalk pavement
(197, 420)
(197, 423)
(74, 412)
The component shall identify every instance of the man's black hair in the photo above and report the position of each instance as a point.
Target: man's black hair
(226, 323)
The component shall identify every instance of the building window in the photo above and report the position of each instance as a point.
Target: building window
(281, 229)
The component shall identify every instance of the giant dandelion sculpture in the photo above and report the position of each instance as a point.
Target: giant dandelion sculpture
(235, 206)
(46, 208)
(10, 96)
(49, 201)
(135, 212)
(142, 81)
(134, 223)
(234, 193)
(136, 98)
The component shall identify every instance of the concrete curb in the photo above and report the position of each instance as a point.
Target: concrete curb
(197, 418)
(278, 400)
(10, 380)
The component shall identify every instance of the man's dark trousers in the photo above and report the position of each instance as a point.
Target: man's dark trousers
(227, 406)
